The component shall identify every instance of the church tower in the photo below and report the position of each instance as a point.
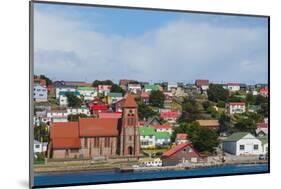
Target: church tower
(130, 137)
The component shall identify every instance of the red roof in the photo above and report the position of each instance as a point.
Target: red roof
(182, 136)
(165, 126)
(99, 107)
(262, 125)
(144, 95)
(91, 127)
(110, 114)
(264, 91)
(130, 102)
(179, 147)
(200, 82)
(169, 114)
(65, 135)
(237, 103)
(141, 123)
(233, 84)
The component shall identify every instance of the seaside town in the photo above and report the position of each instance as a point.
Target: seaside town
(134, 125)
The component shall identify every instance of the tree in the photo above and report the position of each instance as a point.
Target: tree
(73, 100)
(264, 110)
(217, 92)
(261, 100)
(206, 104)
(157, 98)
(104, 82)
(41, 133)
(48, 81)
(246, 125)
(144, 111)
(190, 110)
(203, 139)
(225, 124)
(116, 89)
(250, 98)
(75, 117)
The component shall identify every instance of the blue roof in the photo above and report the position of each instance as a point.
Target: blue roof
(64, 92)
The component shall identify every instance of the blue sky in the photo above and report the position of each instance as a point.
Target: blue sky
(88, 43)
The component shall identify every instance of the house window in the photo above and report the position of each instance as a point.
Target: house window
(96, 142)
(86, 142)
(37, 146)
(107, 142)
(256, 147)
(74, 150)
(242, 147)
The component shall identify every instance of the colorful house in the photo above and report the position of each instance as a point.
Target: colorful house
(104, 89)
(113, 97)
(88, 93)
(236, 107)
(181, 138)
(171, 117)
(181, 154)
(233, 87)
(40, 93)
(149, 88)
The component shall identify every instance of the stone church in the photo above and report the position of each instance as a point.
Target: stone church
(97, 137)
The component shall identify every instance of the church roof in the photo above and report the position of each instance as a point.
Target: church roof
(130, 102)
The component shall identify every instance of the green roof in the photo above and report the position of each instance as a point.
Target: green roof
(147, 131)
(85, 88)
(162, 135)
(240, 96)
(115, 94)
(152, 87)
(236, 136)
(264, 140)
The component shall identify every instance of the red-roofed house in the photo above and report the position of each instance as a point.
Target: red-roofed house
(181, 138)
(202, 85)
(264, 92)
(236, 107)
(181, 153)
(145, 97)
(163, 128)
(104, 89)
(98, 137)
(262, 129)
(171, 117)
(96, 109)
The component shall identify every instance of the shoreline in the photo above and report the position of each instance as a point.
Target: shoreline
(89, 168)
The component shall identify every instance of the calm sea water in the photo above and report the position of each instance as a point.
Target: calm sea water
(110, 176)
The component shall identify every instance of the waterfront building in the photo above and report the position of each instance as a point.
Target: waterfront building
(181, 154)
(242, 143)
(97, 137)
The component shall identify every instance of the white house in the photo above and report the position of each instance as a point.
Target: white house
(163, 128)
(242, 143)
(104, 89)
(147, 141)
(236, 107)
(89, 93)
(233, 87)
(172, 85)
(62, 100)
(134, 88)
(75, 111)
(64, 88)
(57, 115)
(40, 93)
(39, 147)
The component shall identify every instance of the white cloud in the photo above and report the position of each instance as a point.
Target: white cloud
(65, 48)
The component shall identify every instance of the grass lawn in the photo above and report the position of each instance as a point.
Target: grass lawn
(154, 151)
